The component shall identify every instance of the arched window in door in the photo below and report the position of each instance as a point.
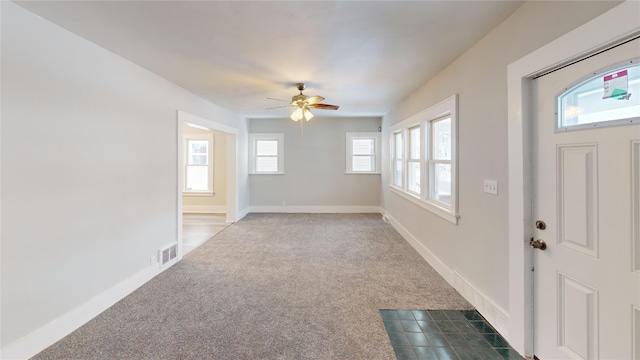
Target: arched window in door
(609, 97)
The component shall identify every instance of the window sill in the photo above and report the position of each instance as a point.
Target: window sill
(453, 218)
(198, 193)
(361, 173)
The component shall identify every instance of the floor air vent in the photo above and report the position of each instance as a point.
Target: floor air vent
(167, 254)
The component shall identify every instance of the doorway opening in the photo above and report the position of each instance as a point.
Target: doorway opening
(206, 184)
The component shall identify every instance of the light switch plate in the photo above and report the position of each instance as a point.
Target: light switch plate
(491, 187)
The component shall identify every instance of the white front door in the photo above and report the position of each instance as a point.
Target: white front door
(585, 190)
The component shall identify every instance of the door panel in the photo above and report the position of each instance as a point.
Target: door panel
(578, 318)
(586, 190)
(578, 198)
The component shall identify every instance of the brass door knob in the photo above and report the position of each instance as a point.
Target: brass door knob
(538, 244)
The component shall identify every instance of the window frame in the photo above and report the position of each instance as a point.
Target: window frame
(442, 110)
(350, 136)
(410, 159)
(430, 160)
(253, 137)
(210, 139)
(395, 158)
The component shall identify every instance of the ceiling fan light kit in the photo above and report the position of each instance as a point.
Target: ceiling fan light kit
(302, 104)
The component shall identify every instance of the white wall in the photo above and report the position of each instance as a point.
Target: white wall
(89, 170)
(477, 248)
(216, 203)
(314, 166)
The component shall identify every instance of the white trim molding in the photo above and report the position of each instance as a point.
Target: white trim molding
(494, 314)
(618, 23)
(430, 257)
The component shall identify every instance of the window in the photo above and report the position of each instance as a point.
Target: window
(363, 153)
(398, 157)
(266, 153)
(198, 174)
(413, 161)
(608, 98)
(440, 160)
(429, 157)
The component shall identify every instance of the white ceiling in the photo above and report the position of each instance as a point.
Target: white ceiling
(362, 55)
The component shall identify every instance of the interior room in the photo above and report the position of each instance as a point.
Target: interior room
(320, 179)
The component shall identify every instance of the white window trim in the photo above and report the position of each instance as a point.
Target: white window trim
(253, 137)
(408, 159)
(210, 139)
(394, 158)
(448, 107)
(429, 161)
(376, 152)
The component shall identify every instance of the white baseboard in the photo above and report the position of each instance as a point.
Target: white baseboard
(494, 314)
(50, 333)
(317, 209)
(242, 213)
(203, 209)
(433, 260)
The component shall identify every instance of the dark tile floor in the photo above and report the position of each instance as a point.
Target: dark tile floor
(444, 335)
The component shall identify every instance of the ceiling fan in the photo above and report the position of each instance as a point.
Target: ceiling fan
(302, 103)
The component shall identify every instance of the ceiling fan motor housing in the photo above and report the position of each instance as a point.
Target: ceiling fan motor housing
(298, 99)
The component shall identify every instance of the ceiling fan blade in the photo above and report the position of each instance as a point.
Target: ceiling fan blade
(314, 100)
(324, 106)
(279, 107)
(278, 99)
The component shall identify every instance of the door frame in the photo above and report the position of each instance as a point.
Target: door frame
(609, 28)
(231, 170)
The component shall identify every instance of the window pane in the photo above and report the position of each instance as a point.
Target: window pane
(198, 159)
(267, 163)
(413, 183)
(362, 146)
(362, 163)
(441, 138)
(441, 183)
(399, 150)
(198, 146)
(397, 173)
(602, 98)
(414, 142)
(197, 178)
(267, 147)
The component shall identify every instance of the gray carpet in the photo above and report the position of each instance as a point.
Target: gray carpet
(272, 286)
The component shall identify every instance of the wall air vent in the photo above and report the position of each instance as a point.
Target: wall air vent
(168, 254)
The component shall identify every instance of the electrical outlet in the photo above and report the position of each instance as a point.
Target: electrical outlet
(491, 187)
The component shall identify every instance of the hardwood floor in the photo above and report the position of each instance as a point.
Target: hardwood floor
(198, 228)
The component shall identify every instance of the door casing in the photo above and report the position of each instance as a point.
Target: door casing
(611, 27)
